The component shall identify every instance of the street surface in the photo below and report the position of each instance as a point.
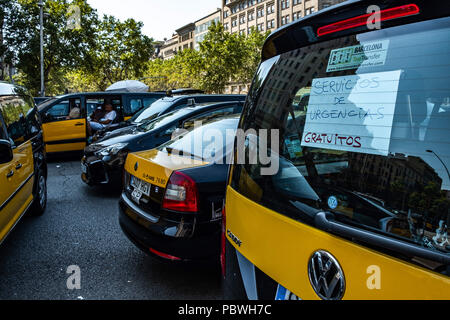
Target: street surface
(80, 227)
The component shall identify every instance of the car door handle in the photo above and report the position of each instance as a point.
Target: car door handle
(10, 174)
(372, 238)
(79, 124)
(19, 166)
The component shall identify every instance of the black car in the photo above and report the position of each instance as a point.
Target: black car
(171, 207)
(170, 103)
(103, 161)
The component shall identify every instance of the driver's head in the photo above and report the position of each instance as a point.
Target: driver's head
(108, 107)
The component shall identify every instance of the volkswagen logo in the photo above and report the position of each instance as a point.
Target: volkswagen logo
(136, 166)
(326, 276)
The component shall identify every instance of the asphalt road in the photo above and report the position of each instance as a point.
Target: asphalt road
(80, 227)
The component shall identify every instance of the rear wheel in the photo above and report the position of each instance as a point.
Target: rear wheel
(40, 200)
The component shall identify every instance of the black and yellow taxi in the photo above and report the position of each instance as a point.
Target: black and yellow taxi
(23, 170)
(350, 111)
(65, 130)
(171, 206)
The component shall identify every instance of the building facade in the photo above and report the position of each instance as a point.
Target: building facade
(240, 16)
(202, 25)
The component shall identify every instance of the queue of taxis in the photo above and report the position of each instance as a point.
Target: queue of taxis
(355, 200)
(23, 169)
(63, 133)
(103, 161)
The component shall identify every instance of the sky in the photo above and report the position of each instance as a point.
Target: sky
(160, 17)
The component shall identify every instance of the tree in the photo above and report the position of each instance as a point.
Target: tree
(222, 54)
(252, 57)
(63, 47)
(91, 56)
(120, 52)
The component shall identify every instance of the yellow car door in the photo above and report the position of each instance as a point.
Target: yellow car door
(16, 176)
(65, 127)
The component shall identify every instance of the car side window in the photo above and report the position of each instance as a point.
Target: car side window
(14, 119)
(64, 110)
(135, 105)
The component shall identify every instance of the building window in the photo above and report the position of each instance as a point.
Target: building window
(297, 15)
(295, 2)
(260, 12)
(284, 4)
(251, 16)
(271, 24)
(270, 8)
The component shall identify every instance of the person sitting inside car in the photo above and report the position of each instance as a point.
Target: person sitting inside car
(110, 116)
(98, 113)
(75, 112)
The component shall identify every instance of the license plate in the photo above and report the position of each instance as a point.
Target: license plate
(140, 186)
(136, 195)
(285, 294)
(83, 168)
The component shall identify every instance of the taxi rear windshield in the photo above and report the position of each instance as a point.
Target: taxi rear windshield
(364, 133)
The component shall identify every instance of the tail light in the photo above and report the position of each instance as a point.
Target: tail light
(181, 194)
(223, 243)
(387, 14)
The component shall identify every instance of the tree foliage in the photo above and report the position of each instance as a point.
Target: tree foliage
(105, 50)
(222, 57)
(98, 53)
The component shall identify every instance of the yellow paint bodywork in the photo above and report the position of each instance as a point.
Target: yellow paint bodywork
(19, 202)
(281, 247)
(156, 167)
(64, 131)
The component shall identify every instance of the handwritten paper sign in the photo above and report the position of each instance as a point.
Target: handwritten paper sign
(352, 113)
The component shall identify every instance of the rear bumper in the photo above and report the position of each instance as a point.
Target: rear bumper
(187, 241)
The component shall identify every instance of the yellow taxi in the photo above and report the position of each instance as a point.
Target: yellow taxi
(23, 170)
(65, 118)
(171, 206)
(351, 105)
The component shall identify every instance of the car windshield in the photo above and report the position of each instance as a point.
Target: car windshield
(149, 125)
(210, 142)
(153, 111)
(364, 132)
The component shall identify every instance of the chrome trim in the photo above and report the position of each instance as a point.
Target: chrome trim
(138, 210)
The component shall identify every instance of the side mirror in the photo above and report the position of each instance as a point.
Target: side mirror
(6, 152)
